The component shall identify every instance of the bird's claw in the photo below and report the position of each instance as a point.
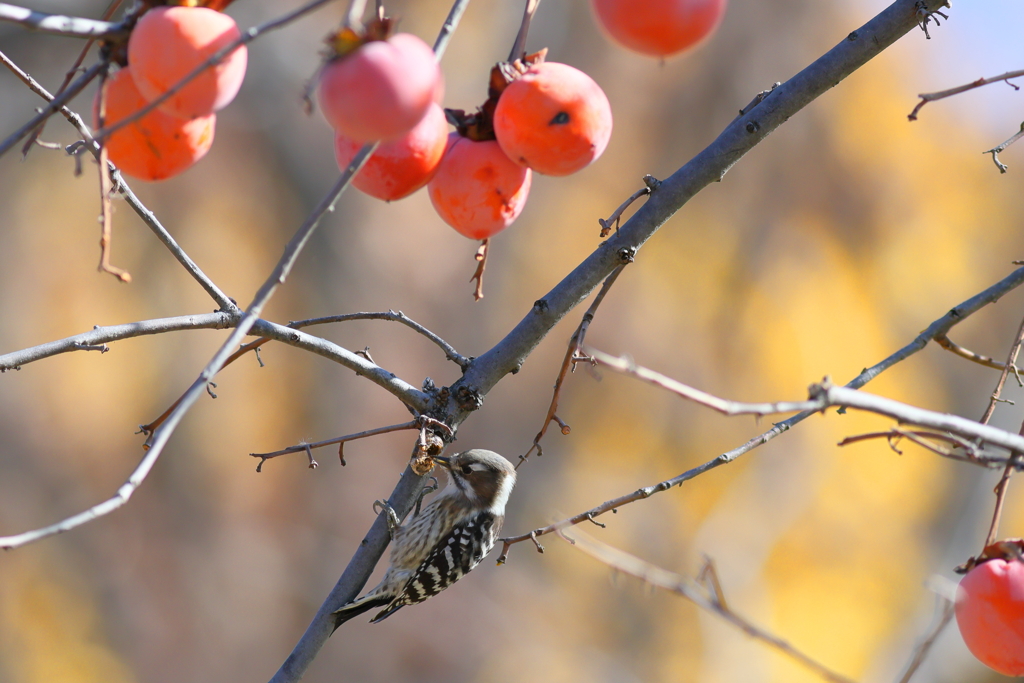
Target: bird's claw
(392, 517)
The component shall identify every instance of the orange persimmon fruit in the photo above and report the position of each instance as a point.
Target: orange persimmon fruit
(380, 90)
(659, 28)
(402, 166)
(990, 614)
(477, 189)
(168, 43)
(554, 119)
(156, 146)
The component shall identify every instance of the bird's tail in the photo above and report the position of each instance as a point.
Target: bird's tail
(357, 607)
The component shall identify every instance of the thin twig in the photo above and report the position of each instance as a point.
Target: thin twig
(100, 336)
(302, 447)
(921, 651)
(75, 27)
(995, 151)
(106, 210)
(822, 396)
(942, 94)
(924, 438)
(55, 102)
(336, 353)
(570, 360)
(392, 316)
(1011, 360)
(941, 326)
(950, 345)
(481, 265)
(162, 434)
(148, 217)
(613, 220)
(1000, 491)
(519, 46)
(655, 576)
(107, 13)
(247, 37)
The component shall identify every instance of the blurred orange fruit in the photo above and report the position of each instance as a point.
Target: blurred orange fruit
(168, 43)
(156, 146)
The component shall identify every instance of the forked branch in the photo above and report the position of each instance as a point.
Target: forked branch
(710, 600)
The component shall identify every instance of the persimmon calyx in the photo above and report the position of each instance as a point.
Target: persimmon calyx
(1006, 549)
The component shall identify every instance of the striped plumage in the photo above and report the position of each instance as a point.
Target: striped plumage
(449, 537)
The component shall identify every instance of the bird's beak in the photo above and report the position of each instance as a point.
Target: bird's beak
(443, 460)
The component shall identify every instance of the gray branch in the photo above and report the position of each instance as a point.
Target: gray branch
(102, 335)
(408, 394)
(822, 396)
(75, 27)
(399, 317)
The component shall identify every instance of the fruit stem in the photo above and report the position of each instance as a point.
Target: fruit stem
(1000, 491)
(354, 16)
(519, 47)
(481, 265)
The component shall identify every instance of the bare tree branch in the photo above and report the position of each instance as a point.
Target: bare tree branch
(420, 422)
(942, 94)
(571, 353)
(941, 326)
(950, 345)
(399, 317)
(710, 601)
(1011, 359)
(162, 434)
(103, 335)
(75, 27)
(822, 396)
(55, 102)
(998, 149)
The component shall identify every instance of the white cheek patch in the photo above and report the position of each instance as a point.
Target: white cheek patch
(501, 497)
(478, 467)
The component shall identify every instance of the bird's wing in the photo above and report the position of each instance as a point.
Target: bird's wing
(455, 555)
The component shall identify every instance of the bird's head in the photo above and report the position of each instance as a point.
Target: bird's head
(484, 477)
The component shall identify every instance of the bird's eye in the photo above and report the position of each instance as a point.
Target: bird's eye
(466, 469)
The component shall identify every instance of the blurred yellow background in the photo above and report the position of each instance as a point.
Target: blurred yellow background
(827, 248)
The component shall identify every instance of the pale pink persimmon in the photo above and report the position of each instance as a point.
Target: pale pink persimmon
(380, 90)
(170, 42)
(158, 145)
(990, 614)
(659, 27)
(554, 119)
(477, 189)
(400, 167)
